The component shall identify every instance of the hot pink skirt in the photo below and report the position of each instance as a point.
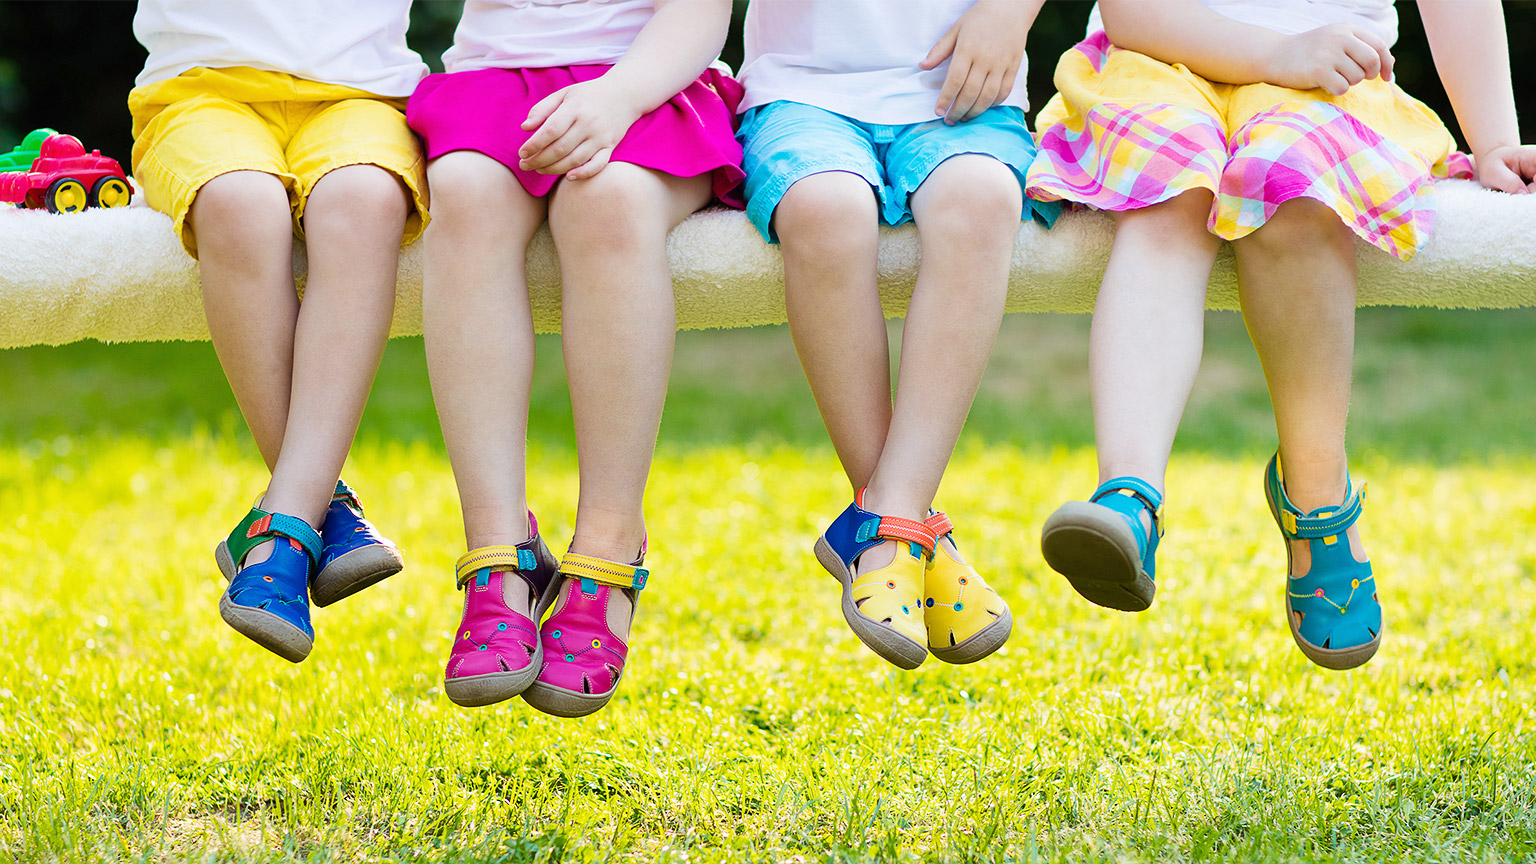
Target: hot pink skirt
(483, 110)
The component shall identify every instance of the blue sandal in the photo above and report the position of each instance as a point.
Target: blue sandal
(1332, 609)
(355, 554)
(268, 602)
(1101, 546)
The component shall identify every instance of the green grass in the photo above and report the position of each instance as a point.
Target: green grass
(752, 725)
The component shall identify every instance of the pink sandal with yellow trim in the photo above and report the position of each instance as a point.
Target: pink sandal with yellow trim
(583, 656)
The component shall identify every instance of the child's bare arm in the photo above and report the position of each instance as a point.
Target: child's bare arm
(578, 126)
(1335, 57)
(1471, 52)
(985, 48)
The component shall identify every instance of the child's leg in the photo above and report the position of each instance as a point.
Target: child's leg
(353, 224)
(479, 337)
(1296, 278)
(245, 229)
(967, 215)
(1147, 334)
(828, 226)
(618, 327)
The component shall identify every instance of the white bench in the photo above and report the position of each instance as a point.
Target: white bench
(120, 275)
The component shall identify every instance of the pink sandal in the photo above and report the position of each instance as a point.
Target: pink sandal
(583, 659)
(496, 651)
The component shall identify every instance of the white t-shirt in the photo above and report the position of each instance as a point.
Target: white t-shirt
(520, 34)
(857, 58)
(352, 43)
(1298, 16)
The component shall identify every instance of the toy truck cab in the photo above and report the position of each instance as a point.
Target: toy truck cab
(64, 178)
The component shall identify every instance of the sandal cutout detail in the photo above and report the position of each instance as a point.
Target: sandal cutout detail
(1333, 610)
(883, 606)
(1102, 548)
(965, 618)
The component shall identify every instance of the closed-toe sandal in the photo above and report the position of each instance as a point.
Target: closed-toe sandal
(966, 620)
(268, 602)
(583, 654)
(882, 605)
(1103, 549)
(355, 556)
(1333, 609)
(496, 651)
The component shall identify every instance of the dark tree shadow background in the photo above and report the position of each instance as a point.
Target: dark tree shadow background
(69, 64)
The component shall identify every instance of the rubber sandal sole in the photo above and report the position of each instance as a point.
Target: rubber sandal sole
(980, 644)
(475, 691)
(354, 571)
(560, 702)
(1337, 659)
(1098, 554)
(267, 630)
(890, 645)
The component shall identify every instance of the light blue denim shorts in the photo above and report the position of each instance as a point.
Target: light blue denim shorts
(784, 142)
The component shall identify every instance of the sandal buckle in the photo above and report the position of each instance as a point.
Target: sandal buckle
(641, 575)
(526, 560)
(1288, 521)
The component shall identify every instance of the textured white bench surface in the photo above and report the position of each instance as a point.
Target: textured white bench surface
(120, 275)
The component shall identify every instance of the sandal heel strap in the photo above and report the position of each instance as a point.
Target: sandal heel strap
(897, 528)
(594, 571)
(1331, 523)
(259, 525)
(1134, 487)
(345, 493)
(499, 558)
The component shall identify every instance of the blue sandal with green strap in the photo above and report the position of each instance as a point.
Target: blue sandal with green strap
(1103, 549)
(1332, 609)
(268, 602)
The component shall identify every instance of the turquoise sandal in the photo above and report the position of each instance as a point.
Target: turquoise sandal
(1101, 546)
(1332, 609)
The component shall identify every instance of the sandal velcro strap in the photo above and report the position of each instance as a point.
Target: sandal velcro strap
(259, 525)
(897, 528)
(496, 558)
(939, 524)
(594, 571)
(1329, 522)
(1139, 489)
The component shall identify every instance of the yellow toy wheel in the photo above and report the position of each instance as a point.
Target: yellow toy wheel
(66, 195)
(110, 192)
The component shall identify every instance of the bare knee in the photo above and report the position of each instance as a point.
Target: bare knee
(970, 202)
(366, 198)
(471, 193)
(622, 209)
(244, 214)
(1297, 226)
(1176, 223)
(828, 215)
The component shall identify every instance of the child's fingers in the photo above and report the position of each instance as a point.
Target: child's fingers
(553, 129)
(959, 68)
(576, 158)
(1363, 55)
(543, 108)
(1334, 82)
(942, 49)
(1497, 175)
(553, 152)
(988, 97)
(1384, 60)
(598, 162)
(969, 92)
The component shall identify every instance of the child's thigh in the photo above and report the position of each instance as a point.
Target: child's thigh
(785, 142)
(359, 132)
(913, 160)
(195, 140)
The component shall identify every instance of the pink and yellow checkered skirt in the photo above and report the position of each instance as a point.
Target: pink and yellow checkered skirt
(1127, 131)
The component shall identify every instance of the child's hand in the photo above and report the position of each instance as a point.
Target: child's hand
(578, 127)
(1335, 57)
(984, 47)
(1511, 169)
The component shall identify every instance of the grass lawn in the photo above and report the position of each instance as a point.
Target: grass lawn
(752, 725)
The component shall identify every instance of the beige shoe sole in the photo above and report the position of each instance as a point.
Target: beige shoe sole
(890, 645)
(1096, 550)
(981, 643)
(353, 572)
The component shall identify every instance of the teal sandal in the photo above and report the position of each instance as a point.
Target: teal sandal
(1332, 609)
(1101, 546)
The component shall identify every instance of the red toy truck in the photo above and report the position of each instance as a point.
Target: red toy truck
(66, 179)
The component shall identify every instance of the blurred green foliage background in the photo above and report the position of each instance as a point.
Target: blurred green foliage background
(70, 63)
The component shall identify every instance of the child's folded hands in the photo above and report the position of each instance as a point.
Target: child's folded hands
(577, 128)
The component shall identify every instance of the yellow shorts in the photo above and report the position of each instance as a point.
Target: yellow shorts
(203, 123)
